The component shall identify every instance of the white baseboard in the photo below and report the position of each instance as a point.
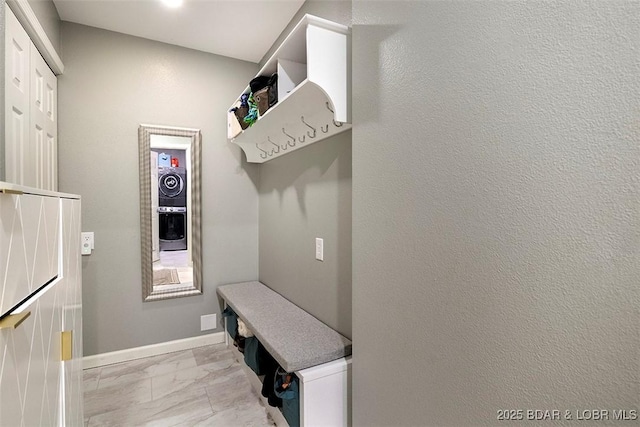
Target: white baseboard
(151, 350)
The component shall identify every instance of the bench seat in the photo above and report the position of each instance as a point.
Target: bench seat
(294, 338)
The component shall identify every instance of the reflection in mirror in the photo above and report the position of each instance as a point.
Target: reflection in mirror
(170, 212)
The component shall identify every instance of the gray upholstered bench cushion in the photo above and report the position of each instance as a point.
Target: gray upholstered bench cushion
(296, 339)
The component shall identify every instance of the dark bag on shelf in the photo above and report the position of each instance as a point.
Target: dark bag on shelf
(258, 83)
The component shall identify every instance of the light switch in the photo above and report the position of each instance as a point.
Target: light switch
(319, 249)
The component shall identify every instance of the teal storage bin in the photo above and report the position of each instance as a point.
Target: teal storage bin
(232, 322)
(290, 396)
(252, 355)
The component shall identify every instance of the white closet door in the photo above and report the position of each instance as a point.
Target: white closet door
(17, 64)
(43, 123)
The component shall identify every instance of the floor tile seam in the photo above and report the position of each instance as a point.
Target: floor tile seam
(188, 387)
(99, 377)
(204, 369)
(209, 399)
(144, 373)
(208, 415)
(121, 384)
(142, 359)
(216, 359)
(178, 368)
(157, 377)
(131, 405)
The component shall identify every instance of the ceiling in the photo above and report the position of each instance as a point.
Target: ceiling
(242, 29)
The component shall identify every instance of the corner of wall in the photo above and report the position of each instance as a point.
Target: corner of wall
(3, 4)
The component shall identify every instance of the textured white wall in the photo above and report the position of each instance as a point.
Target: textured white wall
(495, 209)
(113, 83)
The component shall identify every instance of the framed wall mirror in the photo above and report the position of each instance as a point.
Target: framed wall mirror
(169, 163)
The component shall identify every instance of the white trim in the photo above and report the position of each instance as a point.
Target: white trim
(32, 26)
(156, 127)
(151, 350)
(324, 370)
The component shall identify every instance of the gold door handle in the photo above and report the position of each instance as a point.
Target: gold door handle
(66, 345)
(12, 321)
(8, 191)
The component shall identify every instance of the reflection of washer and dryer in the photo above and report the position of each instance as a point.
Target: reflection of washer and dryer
(173, 228)
(172, 208)
(172, 185)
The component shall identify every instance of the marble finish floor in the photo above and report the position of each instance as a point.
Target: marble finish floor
(178, 260)
(204, 386)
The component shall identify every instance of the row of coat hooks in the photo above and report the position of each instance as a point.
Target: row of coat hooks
(292, 141)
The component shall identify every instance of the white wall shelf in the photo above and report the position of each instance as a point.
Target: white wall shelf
(314, 85)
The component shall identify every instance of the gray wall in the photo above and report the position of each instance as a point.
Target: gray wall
(112, 83)
(495, 210)
(48, 17)
(304, 195)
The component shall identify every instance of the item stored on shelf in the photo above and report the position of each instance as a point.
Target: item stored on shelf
(267, 95)
(262, 99)
(232, 321)
(252, 115)
(164, 160)
(258, 83)
(286, 388)
(273, 89)
(242, 110)
(251, 355)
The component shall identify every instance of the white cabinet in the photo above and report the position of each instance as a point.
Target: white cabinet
(29, 245)
(40, 275)
(70, 305)
(325, 394)
(314, 93)
(30, 111)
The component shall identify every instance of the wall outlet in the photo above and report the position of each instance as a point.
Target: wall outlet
(319, 249)
(207, 322)
(86, 242)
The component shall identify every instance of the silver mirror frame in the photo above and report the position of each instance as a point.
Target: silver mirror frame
(144, 147)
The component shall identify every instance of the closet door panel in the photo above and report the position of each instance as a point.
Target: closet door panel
(43, 122)
(17, 65)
